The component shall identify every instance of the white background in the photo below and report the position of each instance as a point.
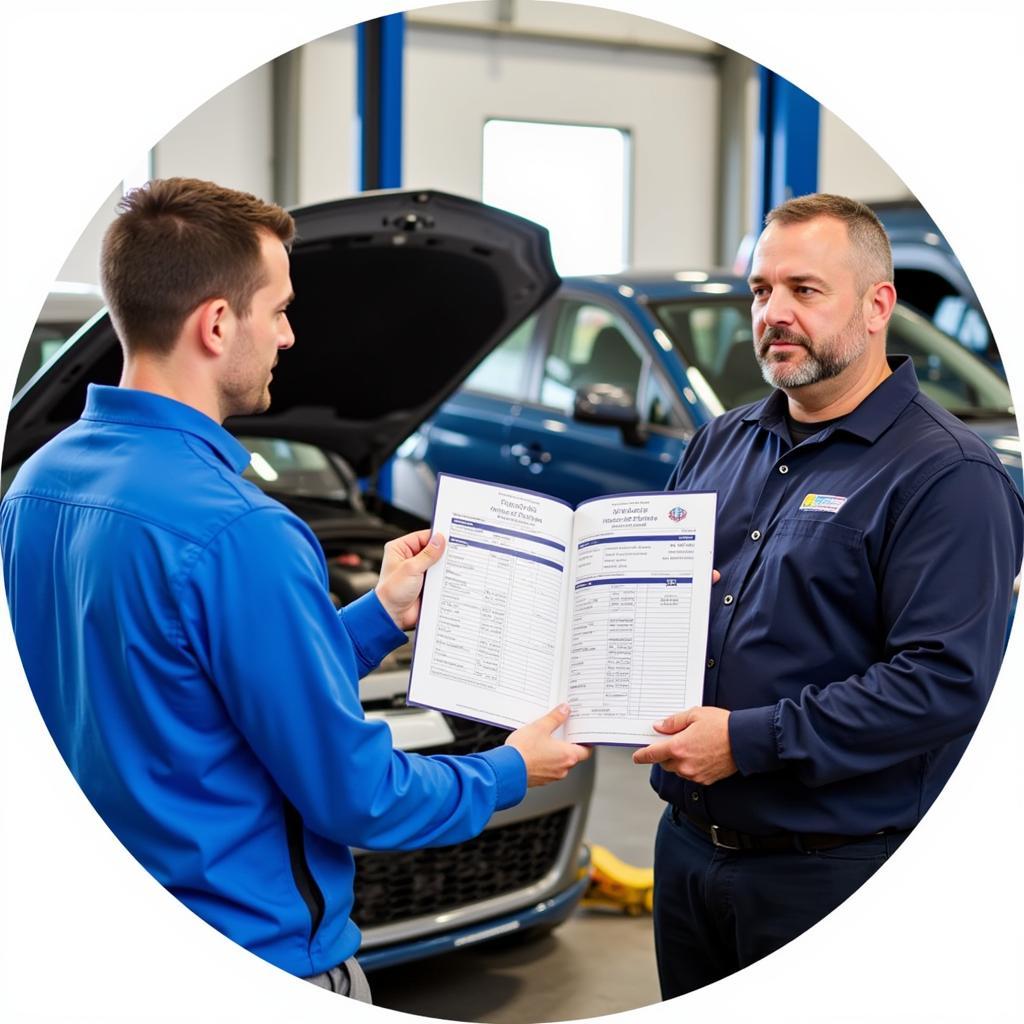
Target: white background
(86, 934)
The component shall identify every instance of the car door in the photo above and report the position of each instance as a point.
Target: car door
(588, 342)
(469, 434)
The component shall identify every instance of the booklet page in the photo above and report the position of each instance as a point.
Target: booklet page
(638, 613)
(490, 637)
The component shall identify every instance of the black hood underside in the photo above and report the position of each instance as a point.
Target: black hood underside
(398, 296)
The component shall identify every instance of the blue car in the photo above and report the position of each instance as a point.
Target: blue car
(600, 390)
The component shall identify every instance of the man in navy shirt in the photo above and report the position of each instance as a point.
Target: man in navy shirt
(867, 544)
(175, 622)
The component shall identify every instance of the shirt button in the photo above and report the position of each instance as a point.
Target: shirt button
(695, 797)
(783, 469)
(727, 599)
(711, 662)
(756, 535)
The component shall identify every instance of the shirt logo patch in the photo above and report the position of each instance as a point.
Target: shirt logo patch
(822, 503)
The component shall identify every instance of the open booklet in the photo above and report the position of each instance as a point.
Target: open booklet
(532, 604)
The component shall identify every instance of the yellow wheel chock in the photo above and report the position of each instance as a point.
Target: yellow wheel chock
(618, 886)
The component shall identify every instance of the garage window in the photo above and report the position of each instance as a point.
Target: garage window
(573, 179)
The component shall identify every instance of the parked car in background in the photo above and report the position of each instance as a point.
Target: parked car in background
(600, 390)
(929, 277)
(69, 305)
(398, 296)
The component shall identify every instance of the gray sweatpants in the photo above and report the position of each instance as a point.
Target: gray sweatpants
(346, 979)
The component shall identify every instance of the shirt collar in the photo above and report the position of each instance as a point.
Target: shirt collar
(145, 409)
(869, 420)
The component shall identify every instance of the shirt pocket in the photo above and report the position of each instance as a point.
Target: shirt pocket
(818, 571)
(814, 530)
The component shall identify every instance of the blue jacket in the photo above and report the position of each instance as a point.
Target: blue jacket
(178, 635)
(859, 623)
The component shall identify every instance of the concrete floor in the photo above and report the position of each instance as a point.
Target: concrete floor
(598, 962)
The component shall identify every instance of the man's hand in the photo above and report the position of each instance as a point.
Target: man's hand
(698, 750)
(547, 759)
(401, 574)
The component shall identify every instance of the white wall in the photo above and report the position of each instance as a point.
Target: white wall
(227, 140)
(566, 18)
(668, 102)
(455, 80)
(83, 262)
(328, 125)
(848, 166)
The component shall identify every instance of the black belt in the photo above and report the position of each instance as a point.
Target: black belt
(801, 842)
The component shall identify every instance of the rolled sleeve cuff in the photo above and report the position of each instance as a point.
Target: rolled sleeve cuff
(510, 774)
(752, 737)
(373, 632)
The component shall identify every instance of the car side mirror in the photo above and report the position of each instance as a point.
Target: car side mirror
(610, 406)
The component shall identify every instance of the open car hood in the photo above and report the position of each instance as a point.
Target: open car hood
(398, 296)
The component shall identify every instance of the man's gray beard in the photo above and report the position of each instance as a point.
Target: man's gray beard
(816, 366)
(812, 370)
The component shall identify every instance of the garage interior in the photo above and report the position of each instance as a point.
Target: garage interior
(712, 141)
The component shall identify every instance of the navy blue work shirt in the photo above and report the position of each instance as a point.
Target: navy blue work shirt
(178, 634)
(860, 619)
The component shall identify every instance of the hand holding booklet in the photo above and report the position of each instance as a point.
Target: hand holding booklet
(532, 604)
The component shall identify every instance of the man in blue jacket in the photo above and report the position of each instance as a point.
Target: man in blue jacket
(175, 622)
(867, 544)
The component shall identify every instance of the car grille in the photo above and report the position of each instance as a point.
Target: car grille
(392, 887)
(470, 737)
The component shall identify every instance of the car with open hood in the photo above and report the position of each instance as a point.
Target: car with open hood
(397, 297)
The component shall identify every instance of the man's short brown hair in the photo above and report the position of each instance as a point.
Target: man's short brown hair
(176, 243)
(870, 243)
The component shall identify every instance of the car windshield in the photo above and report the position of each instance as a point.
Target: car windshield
(716, 340)
(295, 469)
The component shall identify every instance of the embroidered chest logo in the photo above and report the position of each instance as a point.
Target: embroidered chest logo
(822, 503)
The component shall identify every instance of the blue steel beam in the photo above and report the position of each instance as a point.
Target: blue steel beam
(380, 47)
(787, 145)
(392, 45)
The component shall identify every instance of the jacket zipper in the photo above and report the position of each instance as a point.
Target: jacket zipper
(304, 880)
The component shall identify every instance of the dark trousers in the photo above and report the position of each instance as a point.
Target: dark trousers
(715, 910)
